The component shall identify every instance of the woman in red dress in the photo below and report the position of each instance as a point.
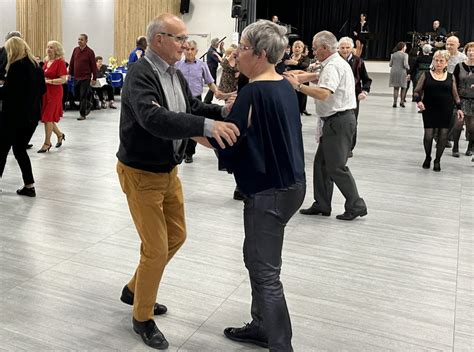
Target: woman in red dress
(55, 73)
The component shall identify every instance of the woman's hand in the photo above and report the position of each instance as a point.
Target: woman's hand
(420, 106)
(460, 115)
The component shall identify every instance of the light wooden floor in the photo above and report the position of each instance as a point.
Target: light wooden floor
(400, 279)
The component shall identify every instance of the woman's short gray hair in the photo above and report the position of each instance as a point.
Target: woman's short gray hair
(346, 40)
(214, 42)
(327, 39)
(266, 35)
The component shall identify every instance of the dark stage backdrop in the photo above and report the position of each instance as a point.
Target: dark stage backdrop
(389, 20)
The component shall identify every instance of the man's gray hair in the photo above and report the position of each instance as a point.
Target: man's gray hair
(266, 35)
(13, 34)
(427, 49)
(214, 42)
(327, 39)
(155, 26)
(346, 40)
(192, 43)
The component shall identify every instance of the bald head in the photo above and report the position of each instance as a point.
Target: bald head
(163, 23)
(452, 44)
(167, 36)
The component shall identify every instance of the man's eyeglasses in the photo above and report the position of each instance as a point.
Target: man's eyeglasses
(242, 47)
(178, 38)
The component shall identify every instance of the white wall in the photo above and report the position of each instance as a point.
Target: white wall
(211, 17)
(7, 18)
(93, 17)
(96, 19)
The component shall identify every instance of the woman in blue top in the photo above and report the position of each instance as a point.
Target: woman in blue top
(268, 165)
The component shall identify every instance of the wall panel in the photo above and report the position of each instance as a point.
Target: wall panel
(131, 19)
(39, 21)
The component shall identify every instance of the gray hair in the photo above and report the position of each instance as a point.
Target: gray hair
(346, 40)
(214, 42)
(13, 34)
(266, 35)
(193, 43)
(426, 49)
(327, 39)
(155, 26)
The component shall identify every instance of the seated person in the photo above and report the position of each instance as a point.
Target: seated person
(108, 89)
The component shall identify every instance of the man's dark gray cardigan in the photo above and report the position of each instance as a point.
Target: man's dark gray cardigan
(147, 130)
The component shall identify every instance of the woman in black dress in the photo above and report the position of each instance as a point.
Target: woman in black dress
(435, 94)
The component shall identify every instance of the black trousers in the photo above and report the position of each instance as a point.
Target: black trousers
(191, 146)
(265, 217)
(356, 114)
(302, 100)
(210, 94)
(18, 140)
(108, 89)
(83, 87)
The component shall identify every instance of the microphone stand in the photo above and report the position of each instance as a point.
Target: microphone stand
(345, 23)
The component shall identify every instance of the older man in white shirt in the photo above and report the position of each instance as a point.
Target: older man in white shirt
(335, 107)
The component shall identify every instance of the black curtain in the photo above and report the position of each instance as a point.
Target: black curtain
(389, 20)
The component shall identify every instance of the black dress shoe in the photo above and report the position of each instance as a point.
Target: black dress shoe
(127, 298)
(248, 333)
(305, 113)
(352, 214)
(188, 159)
(315, 210)
(150, 334)
(238, 195)
(436, 166)
(29, 146)
(29, 192)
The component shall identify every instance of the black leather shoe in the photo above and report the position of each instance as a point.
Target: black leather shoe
(315, 210)
(188, 159)
(29, 192)
(436, 166)
(238, 195)
(29, 146)
(248, 333)
(426, 163)
(150, 334)
(305, 113)
(351, 215)
(127, 298)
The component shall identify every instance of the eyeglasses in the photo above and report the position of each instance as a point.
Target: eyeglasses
(242, 47)
(177, 38)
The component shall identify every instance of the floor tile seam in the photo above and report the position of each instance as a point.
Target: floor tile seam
(224, 300)
(63, 260)
(375, 333)
(457, 272)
